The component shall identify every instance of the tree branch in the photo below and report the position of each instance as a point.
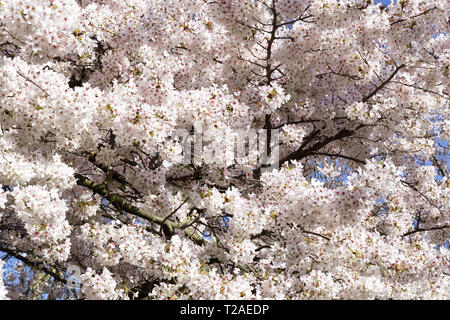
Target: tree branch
(385, 82)
(120, 204)
(426, 229)
(33, 264)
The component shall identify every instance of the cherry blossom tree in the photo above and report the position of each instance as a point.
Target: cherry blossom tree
(349, 100)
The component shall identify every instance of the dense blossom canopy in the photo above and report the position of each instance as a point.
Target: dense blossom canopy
(94, 178)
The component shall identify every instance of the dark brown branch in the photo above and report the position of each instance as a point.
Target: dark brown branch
(300, 18)
(423, 89)
(113, 173)
(385, 82)
(174, 211)
(426, 229)
(315, 234)
(337, 155)
(417, 15)
(33, 264)
(345, 75)
(297, 122)
(301, 153)
(31, 81)
(413, 186)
